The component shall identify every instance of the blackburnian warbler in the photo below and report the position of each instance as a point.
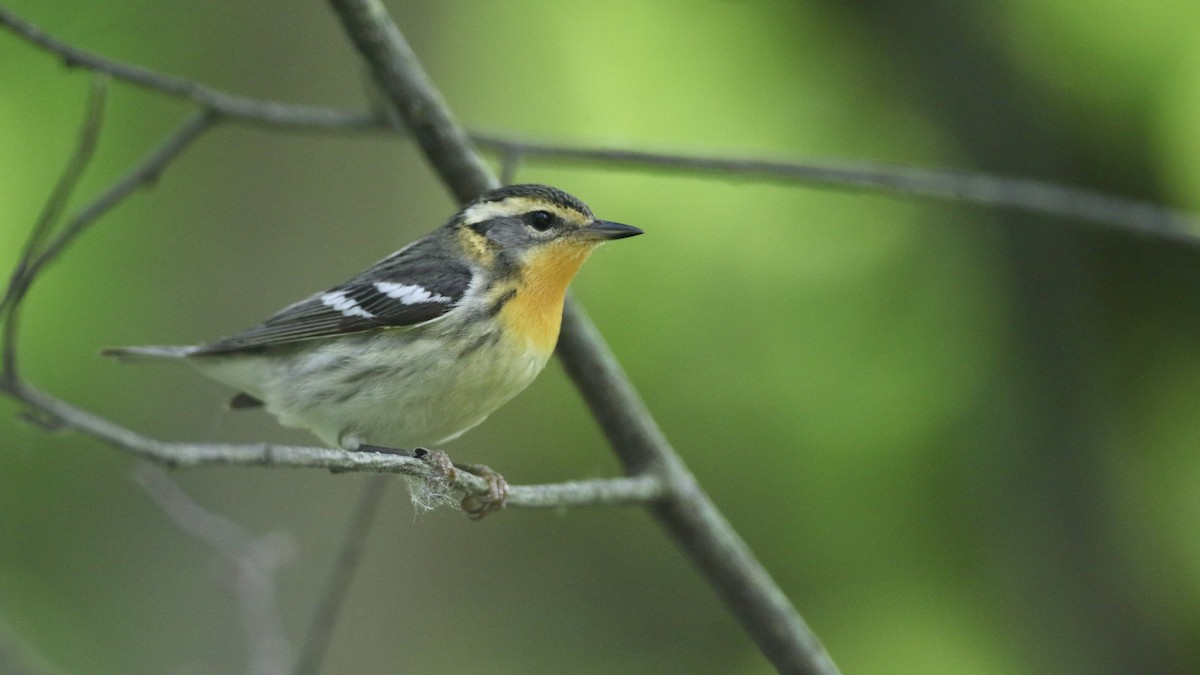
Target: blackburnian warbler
(426, 343)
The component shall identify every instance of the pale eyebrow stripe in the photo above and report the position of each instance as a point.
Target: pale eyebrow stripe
(513, 206)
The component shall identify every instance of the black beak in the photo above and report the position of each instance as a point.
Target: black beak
(606, 230)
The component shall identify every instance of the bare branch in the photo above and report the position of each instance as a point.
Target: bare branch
(84, 150)
(255, 561)
(713, 545)
(218, 102)
(1041, 197)
(687, 514)
(599, 492)
(320, 632)
(33, 261)
(143, 173)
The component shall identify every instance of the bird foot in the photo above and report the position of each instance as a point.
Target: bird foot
(478, 506)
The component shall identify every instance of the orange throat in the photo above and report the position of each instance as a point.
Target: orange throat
(535, 312)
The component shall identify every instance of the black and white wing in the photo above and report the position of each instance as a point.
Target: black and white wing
(412, 286)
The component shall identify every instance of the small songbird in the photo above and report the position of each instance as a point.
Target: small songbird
(426, 343)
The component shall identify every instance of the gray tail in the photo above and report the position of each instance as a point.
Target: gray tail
(149, 353)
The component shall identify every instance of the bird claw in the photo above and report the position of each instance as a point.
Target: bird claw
(478, 506)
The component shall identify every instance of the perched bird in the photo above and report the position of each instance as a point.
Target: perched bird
(426, 343)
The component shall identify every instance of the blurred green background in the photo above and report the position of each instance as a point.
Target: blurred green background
(962, 440)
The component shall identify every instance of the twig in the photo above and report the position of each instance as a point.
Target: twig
(34, 261)
(143, 173)
(1033, 196)
(600, 492)
(219, 102)
(1045, 198)
(707, 538)
(320, 631)
(84, 150)
(255, 561)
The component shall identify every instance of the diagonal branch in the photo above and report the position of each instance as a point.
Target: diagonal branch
(34, 261)
(255, 561)
(686, 512)
(143, 173)
(407, 87)
(222, 103)
(84, 150)
(312, 654)
(17, 656)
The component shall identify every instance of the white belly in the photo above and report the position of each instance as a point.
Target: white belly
(410, 392)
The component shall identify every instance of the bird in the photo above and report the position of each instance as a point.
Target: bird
(425, 344)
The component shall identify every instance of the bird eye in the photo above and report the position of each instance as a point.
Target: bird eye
(541, 220)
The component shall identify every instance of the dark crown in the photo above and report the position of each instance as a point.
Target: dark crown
(539, 192)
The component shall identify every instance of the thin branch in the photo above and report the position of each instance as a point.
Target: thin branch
(600, 492)
(225, 104)
(143, 173)
(255, 561)
(85, 148)
(34, 261)
(1041, 197)
(707, 538)
(312, 654)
